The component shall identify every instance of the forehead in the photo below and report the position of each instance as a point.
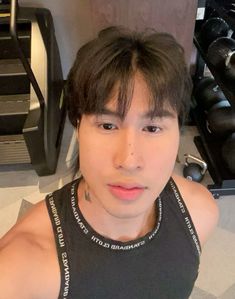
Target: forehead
(138, 91)
(140, 100)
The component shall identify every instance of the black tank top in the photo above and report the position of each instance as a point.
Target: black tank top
(161, 265)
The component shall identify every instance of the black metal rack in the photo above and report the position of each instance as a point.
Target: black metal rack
(209, 146)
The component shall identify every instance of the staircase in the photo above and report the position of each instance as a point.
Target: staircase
(32, 111)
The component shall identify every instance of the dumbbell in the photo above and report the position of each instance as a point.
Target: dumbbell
(212, 29)
(221, 54)
(194, 171)
(207, 93)
(228, 152)
(221, 51)
(233, 34)
(221, 120)
(221, 104)
(230, 8)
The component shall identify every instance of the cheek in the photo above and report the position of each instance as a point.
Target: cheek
(164, 155)
(161, 166)
(92, 154)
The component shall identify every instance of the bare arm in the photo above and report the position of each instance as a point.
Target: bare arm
(28, 263)
(18, 260)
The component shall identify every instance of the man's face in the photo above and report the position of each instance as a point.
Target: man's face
(126, 163)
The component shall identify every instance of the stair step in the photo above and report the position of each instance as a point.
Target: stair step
(13, 150)
(23, 30)
(13, 113)
(13, 78)
(8, 50)
(4, 7)
(14, 104)
(11, 67)
(19, 84)
(7, 46)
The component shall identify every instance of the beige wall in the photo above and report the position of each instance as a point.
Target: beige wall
(76, 21)
(72, 25)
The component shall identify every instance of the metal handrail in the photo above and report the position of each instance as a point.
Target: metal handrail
(24, 60)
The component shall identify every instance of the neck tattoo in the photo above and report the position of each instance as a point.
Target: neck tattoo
(87, 194)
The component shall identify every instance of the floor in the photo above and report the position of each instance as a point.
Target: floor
(20, 187)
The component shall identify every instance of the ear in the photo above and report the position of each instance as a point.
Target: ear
(77, 129)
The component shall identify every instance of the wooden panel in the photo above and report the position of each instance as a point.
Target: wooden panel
(105, 13)
(176, 17)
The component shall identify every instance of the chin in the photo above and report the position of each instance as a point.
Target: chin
(130, 210)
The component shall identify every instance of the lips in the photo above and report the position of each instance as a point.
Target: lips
(126, 191)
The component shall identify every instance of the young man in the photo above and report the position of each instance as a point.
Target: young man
(128, 227)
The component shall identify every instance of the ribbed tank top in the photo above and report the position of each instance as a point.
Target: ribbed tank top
(161, 265)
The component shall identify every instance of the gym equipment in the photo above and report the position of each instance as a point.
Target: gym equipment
(221, 121)
(209, 145)
(230, 8)
(224, 103)
(233, 35)
(221, 54)
(207, 93)
(194, 171)
(212, 29)
(228, 152)
(32, 111)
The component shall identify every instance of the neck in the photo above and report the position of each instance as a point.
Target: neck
(111, 227)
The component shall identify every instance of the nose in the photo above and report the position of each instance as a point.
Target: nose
(128, 154)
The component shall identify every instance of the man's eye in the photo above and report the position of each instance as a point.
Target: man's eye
(152, 129)
(107, 126)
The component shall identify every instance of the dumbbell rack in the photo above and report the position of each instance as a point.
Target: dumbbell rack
(208, 146)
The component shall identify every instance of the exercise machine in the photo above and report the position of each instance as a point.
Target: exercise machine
(32, 109)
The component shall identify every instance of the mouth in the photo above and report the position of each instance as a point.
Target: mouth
(126, 192)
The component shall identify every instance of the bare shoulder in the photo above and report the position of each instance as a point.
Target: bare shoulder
(27, 254)
(201, 204)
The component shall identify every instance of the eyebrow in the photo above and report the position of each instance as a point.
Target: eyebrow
(149, 114)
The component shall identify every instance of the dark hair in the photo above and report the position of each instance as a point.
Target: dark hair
(113, 58)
